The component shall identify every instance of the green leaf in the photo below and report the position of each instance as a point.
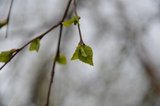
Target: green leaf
(74, 20)
(61, 59)
(76, 53)
(35, 45)
(6, 55)
(84, 53)
(3, 23)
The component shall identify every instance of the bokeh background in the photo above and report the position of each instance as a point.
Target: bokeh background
(124, 35)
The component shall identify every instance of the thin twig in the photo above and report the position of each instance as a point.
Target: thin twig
(8, 18)
(53, 67)
(75, 7)
(57, 54)
(66, 10)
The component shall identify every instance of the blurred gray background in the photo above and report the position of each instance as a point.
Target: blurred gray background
(124, 35)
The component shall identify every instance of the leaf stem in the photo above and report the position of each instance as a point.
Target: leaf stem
(78, 25)
(80, 35)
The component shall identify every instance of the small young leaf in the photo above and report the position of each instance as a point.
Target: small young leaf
(35, 45)
(84, 53)
(3, 23)
(74, 20)
(6, 55)
(61, 59)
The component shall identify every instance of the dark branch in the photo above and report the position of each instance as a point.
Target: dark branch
(75, 7)
(53, 66)
(57, 54)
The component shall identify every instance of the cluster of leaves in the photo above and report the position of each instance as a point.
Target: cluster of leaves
(83, 52)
